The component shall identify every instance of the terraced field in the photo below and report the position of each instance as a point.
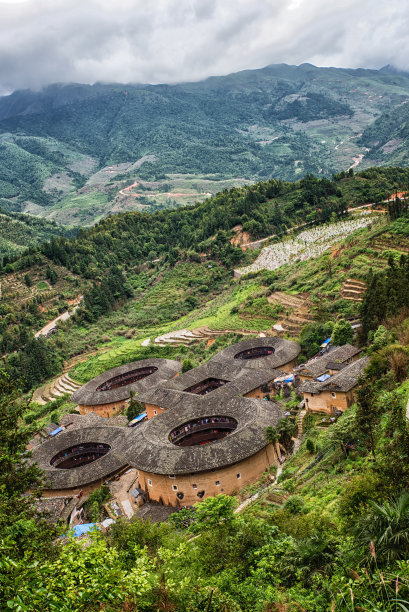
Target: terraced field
(306, 245)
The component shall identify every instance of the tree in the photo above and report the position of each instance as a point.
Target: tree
(187, 364)
(295, 504)
(21, 531)
(313, 335)
(342, 333)
(286, 430)
(134, 408)
(387, 526)
(309, 556)
(82, 578)
(367, 414)
(214, 512)
(310, 446)
(272, 434)
(343, 432)
(393, 454)
(96, 501)
(381, 337)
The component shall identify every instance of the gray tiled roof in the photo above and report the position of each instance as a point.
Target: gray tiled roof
(343, 381)
(284, 352)
(148, 447)
(91, 419)
(52, 507)
(56, 508)
(241, 380)
(151, 450)
(318, 366)
(114, 460)
(89, 396)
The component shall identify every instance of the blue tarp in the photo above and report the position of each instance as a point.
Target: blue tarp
(326, 342)
(55, 431)
(137, 419)
(323, 377)
(79, 530)
(289, 379)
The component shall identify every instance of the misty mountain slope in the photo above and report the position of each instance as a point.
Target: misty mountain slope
(280, 121)
(388, 137)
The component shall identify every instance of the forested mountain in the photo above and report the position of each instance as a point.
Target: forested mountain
(277, 122)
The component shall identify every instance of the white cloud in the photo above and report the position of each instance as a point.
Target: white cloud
(44, 41)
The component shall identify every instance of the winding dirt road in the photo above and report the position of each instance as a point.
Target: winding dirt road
(126, 191)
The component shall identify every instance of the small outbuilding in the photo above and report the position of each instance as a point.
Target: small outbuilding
(332, 361)
(328, 394)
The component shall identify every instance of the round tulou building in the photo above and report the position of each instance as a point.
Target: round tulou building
(204, 448)
(82, 457)
(108, 393)
(205, 434)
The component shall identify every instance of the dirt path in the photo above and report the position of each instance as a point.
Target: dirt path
(47, 329)
(169, 194)
(357, 160)
(125, 189)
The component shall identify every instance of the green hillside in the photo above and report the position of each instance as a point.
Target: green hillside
(131, 263)
(180, 142)
(328, 531)
(19, 232)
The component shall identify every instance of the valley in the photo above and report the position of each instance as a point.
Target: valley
(204, 306)
(63, 159)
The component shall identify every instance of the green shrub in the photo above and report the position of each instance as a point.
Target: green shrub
(310, 446)
(54, 417)
(187, 364)
(295, 504)
(308, 422)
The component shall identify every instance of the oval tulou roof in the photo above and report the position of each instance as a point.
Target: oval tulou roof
(114, 460)
(151, 450)
(89, 396)
(284, 352)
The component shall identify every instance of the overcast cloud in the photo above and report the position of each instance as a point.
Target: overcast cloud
(152, 41)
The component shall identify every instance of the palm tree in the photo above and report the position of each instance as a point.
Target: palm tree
(286, 430)
(272, 434)
(386, 529)
(309, 556)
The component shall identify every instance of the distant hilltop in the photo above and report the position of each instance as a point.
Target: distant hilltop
(69, 152)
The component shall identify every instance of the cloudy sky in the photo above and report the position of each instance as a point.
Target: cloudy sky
(151, 41)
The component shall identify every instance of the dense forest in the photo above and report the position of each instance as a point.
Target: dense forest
(262, 209)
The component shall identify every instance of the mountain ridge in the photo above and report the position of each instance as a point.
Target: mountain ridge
(279, 121)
